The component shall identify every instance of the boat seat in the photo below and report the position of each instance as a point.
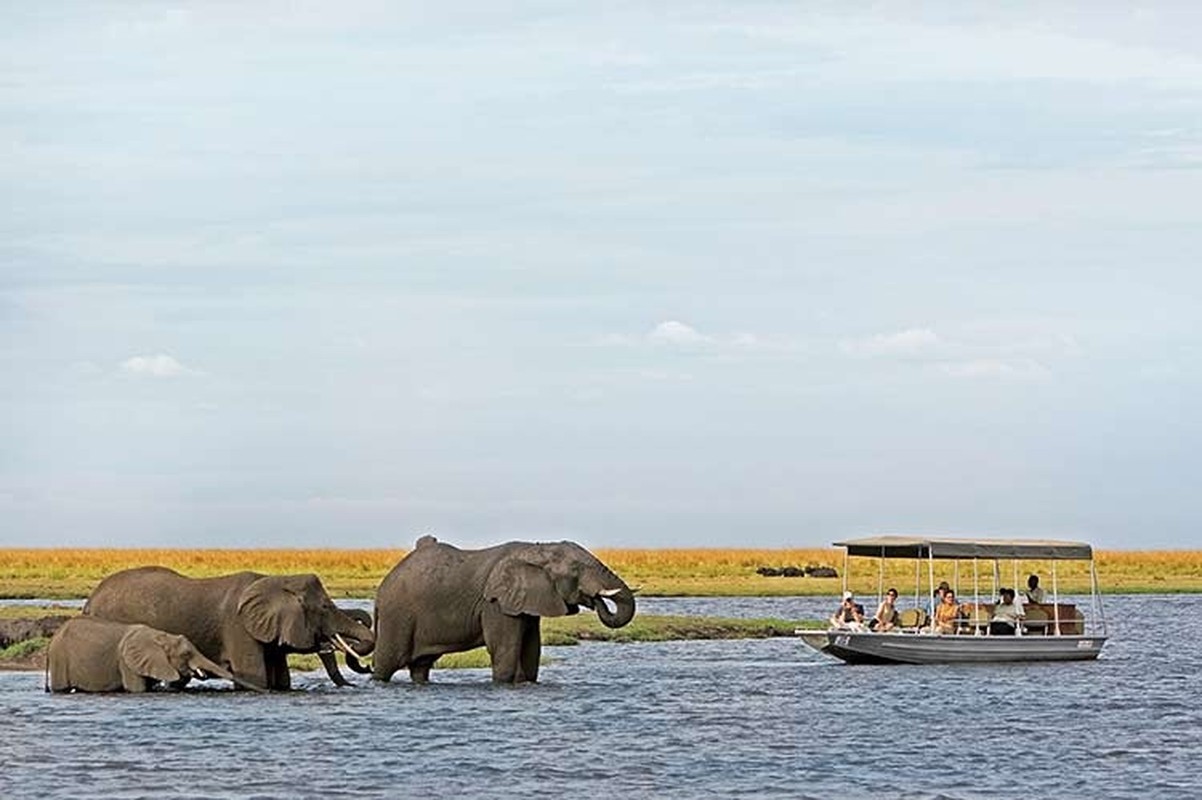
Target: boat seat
(974, 617)
(1037, 622)
(911, 618)
(1074, 625)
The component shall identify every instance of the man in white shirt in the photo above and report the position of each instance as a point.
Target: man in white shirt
(1006, 615)
(1034, 593)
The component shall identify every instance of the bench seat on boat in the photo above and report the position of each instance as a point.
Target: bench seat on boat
(1040, 619)
(911, 618)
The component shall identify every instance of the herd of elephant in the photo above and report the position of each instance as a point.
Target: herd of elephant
(151, 625)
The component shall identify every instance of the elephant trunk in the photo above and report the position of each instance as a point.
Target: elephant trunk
(623, 600)
(214, 669)
(354, 649)
(204, 668)
(328, 661)
(353, 634)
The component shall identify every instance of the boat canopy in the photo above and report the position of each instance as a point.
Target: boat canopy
(936, 547)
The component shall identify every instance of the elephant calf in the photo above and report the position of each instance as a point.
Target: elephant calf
(96, 655)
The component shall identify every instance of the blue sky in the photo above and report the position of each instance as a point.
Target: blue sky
(703, 274)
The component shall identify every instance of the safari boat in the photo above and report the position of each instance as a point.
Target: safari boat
(1049, 631)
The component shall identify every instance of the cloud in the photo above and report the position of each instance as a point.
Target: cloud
(910, 342)
(156, 366)
(994, 353)
(1013, 369)
(677, 333)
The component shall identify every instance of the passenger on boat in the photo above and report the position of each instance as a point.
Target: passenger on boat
(1034, 593)
(946, 613)
(940, 591)
(849, 615)
(1006, 615)
(886, 614)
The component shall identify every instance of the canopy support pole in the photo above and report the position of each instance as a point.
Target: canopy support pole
(1055, 600)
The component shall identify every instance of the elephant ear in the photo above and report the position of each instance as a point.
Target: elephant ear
(520, 587)
(145, 654)
(274, 615)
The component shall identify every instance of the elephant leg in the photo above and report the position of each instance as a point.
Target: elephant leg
(503, 639)
(419, 669)
(532, 649)
(278, 676)
(394, 643)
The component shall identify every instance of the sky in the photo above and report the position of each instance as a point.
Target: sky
(698, 274)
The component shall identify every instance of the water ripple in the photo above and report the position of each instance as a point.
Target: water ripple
(763, 718)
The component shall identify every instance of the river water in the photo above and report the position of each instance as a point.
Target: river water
(758, 718)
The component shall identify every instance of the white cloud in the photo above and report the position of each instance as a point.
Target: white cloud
(677, 333)
(665, 376)
(747, 340)
(1017, 369)
(615, 340)
(156, 366)
(909, 342)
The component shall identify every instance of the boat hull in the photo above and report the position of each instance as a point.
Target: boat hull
(856, 647)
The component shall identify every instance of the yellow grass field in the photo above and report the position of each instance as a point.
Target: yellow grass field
(68, 573)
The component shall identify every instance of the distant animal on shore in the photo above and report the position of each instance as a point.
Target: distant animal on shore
(810, 571)
(96, 655)
(246, 622)
(440, 599)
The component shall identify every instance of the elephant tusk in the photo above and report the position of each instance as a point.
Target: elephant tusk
(609, 592)
(343, 646)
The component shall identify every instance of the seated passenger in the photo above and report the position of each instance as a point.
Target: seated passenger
(946, 613)
(1006, 615)
(849, 615)
(1034, 593)
(885, 618)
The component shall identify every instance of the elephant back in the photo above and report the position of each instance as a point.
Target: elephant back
(162, 598)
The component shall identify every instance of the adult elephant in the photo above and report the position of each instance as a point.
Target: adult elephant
(247, 622)
(440, 599)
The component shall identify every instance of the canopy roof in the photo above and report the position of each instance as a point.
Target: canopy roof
(939, 547)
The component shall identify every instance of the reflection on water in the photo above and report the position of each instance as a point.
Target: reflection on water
(676, 719)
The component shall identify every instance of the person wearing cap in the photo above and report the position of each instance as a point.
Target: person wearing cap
(849, 615)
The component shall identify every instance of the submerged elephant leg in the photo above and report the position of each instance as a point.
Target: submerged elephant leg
(503, 638)
(532, 649)
(419, 669)
(394, 645)
(276, 662)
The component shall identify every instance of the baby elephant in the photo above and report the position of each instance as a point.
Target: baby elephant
(96, 655)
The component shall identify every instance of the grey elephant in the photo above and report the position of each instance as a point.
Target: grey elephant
(246, 622)
(97, 655)
(440, 599)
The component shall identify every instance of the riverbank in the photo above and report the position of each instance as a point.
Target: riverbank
(64, 573)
